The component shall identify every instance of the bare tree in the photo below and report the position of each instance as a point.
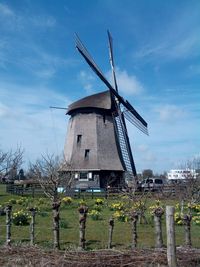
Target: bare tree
(10, 163)
(147, 173)
(3, 162)
(49, 173)
(190, 190)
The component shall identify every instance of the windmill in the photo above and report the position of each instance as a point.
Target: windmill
(85, 116)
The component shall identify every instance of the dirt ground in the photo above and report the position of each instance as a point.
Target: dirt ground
(34, 256)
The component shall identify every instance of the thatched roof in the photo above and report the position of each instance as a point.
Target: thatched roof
(100, 101)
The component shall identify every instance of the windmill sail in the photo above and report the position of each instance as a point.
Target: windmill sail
(119, 117)
(120, 125)
(133, 115)
(112, 60)
(124, 147)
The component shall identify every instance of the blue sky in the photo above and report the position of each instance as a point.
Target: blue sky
(157, 56)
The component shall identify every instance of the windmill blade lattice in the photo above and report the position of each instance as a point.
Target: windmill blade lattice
(132, 119)
(119, 102)
(133, 116)
(124, 148)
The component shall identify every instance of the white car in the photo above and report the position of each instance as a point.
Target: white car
(152, 184)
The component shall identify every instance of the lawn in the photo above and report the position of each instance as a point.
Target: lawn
(96, 230)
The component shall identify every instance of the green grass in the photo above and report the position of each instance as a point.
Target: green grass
(96, 231)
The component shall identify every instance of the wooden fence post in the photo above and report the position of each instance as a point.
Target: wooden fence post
(158, 212)
(171, 244)
(83, 210)
(32, 226)
(8, 224)
(111, 226)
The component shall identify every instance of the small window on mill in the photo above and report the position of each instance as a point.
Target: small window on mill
(87, 151)
(104, 118)
(79, 136)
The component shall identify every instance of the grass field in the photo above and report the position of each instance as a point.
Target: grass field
(96, 231)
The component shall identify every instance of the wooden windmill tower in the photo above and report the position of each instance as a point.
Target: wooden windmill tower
(97, 144)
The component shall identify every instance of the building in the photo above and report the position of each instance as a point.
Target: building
(181, 174)
(91, 146)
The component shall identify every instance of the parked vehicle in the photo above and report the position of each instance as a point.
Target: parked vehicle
(152, 184)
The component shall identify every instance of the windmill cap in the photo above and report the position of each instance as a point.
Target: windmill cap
(100, 101)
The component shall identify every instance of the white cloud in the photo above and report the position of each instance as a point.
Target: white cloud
(87, 80)
(5, 10)
(167, 112)
(24, 22)
(17, 95)
(143, 148)
(4, 110)
(146, 155)
(35, 60)
(45, 73)
(43, 21)
(127, 84)
(179, 40)
(194, 69)
(175, 48)
(147, 51)
(27, 120)
(185, 46)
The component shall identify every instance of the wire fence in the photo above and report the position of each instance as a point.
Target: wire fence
(97, 233)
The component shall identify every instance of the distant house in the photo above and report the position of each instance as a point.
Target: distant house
(181, 174)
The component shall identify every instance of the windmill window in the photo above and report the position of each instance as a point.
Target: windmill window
(76, 175)
(79, 136)
(87, 151)
(90, 175)
(83, 176)
(104, 118)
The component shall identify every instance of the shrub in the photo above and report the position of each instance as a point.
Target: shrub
(157, 208)
(196, 219)
(22, 201)
(82, 202)
(12, 201)
(19, 201)
(21, 218)
(41, 201)
(139, 205)
(97, 207)
(194, 207)
(117, 206)
(67, 200)
(99, 201)
(120, 216)
(95, 215)
(178, 218)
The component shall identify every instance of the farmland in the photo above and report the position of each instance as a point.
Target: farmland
(96, 227)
